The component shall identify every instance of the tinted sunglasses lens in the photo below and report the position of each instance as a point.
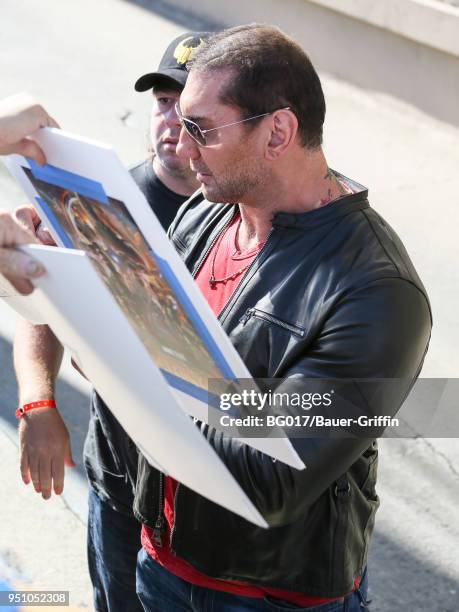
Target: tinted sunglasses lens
(194, 131)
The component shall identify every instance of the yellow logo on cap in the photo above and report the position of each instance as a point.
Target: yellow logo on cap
(184, 52)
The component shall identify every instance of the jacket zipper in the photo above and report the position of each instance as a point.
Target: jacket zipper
(158, 530)
(173, 526)
(259, 314)
(342, 495)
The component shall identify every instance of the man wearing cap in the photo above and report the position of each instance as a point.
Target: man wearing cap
(110, 456)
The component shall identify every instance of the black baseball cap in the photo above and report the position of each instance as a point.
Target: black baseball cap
(172, 66)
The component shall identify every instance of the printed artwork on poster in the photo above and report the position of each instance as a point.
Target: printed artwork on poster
(142, 283)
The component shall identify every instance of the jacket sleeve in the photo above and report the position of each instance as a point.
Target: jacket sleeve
(380, 331)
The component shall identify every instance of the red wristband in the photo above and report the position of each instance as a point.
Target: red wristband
(41, 404)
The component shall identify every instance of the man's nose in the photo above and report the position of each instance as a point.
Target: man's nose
(186, 146)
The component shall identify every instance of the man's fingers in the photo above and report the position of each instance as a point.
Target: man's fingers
(58, 473)
(42, 118)
(19, 268)
(22, 285)
(20, 116)
(29, 148)
(26, 147)
(52, 122)
(13, 232)
(34, 474)
(25, 474)
(28, 217)
(45, 477)
(44, 236)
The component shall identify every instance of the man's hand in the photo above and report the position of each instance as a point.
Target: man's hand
(44, 444)
(16, 266)
(20, 116)
(28, 217)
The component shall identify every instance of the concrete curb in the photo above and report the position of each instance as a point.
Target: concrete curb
(428, 22)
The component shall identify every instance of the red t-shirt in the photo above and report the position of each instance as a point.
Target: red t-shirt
(226, 265)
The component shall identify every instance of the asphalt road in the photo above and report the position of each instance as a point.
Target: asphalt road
(81, 60)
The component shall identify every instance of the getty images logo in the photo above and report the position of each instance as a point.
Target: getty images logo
(259, 401)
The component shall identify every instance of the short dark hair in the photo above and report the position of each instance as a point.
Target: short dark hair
(271, 71)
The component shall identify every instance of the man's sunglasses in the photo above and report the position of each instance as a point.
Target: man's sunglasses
(199, 135)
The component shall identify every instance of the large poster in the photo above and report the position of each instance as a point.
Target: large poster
(142, 283)
(144, 318)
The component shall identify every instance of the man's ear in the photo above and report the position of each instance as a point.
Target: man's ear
(284, 127)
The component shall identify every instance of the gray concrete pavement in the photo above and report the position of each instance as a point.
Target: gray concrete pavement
(42, 544)
(81, 60)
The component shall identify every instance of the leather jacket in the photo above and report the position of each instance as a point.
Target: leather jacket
(332, 295)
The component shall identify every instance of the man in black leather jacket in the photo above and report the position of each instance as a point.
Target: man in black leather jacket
(308, 282)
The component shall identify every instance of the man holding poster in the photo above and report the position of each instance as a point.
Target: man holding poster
(308, 282)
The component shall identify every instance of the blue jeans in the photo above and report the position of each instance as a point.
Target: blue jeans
(159, 590)
(113, 544)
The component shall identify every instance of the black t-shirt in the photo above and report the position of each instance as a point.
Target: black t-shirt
(110, 456)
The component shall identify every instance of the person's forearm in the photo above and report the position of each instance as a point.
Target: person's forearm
(37, 359)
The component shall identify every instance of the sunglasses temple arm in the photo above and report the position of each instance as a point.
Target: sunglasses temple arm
(233, 123)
